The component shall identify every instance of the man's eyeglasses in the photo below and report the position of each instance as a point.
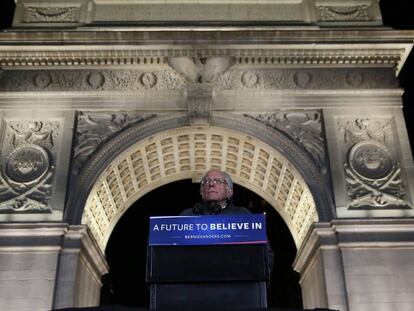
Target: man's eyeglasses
(215, 181)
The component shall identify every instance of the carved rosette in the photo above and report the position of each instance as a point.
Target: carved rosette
(304, 127)
(277, 79)
(95, 128)
(91, 80)
(249, 79)
(171, 79)
(373, 175)
(27, 171)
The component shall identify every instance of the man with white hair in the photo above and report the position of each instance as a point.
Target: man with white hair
(216, 189)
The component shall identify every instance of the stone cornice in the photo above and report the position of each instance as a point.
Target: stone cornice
(354, 233)
(249, 47)
(205, 35)
(269, 100)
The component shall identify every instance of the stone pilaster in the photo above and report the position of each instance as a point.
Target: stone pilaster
(48, 265)
(358, 265)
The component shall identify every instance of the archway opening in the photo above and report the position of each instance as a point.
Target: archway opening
(126, 248)
(184, 153)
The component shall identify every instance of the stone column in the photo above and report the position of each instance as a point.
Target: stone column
(81, 265)
(48, 265)
(353, 265)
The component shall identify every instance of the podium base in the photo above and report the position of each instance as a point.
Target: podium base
(211, 296)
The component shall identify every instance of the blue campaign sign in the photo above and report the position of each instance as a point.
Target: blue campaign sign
(208, 230)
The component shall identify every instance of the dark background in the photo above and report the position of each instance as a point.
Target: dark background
(126, 249)
(125, 284)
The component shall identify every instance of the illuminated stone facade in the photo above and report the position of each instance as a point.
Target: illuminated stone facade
(300, 108)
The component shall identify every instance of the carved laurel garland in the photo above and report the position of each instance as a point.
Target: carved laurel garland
(168, 79)
(344, 13)
(373, 174)
(27, 170)
(264, 79)
(181, 153)
(64, 14)
(89, 80)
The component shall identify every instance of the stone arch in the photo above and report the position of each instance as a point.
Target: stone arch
(165, 150)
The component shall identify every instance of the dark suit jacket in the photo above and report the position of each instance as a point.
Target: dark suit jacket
(230, 209)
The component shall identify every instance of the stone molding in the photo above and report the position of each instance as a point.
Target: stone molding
(357, 233)
(167, 79)
(244, 46)
(52, 236)
(306, 56)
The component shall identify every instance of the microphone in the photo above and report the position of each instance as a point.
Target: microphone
(198, 209)
(214, 208)
(207, 208)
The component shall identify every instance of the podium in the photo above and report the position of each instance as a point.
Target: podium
(228, 276)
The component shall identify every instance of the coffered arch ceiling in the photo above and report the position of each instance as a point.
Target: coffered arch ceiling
(187, 153)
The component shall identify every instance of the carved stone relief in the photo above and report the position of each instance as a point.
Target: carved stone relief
(95, 128)
(89, 80)
(27, 166)
(200, 104)
(304, 127)
(373, 174)
(305, 79)
(217, 76)
(361, 129)
(197, 69)
(343, 13)
(40, 14)
(249, 78)
(32, 132)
